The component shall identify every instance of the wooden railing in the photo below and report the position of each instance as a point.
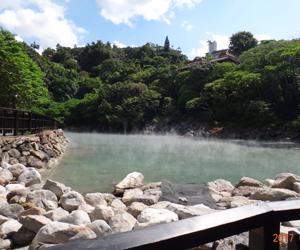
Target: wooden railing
(262, 220)
(16, 122)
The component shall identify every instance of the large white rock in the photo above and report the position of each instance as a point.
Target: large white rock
(296, 187)
(161, 204)
(132, 180)
(150, 217)
(6, 244)
(100, 228)
(59, 232)
(102, 213)
(12, 187)
(56, 214)
(95, 199)
(86, 208)
(76, 217)
(6, 176)
(30, 176)
(11, 210)
(34, 222)
(268, 182)
(285, 180)
(121, 221)
(18, 196)
(221, 185)
(2, 190)
(5, 164)
(33, 211)
(136, 208)
(129, 193)
(184, 212)
(4, 219)
(56, 187)
(118, 204)
(9, 228)
(246, 181)
(43, 198)
(2, 202)
(71, 201)
(272, 194)
(17, 169)
(145, 198)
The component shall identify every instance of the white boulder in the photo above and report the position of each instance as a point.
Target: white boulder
(132, 180)
(150, 217)
(71, 201)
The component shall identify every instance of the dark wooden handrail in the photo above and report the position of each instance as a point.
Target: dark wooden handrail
(262, 220)
(15, 122)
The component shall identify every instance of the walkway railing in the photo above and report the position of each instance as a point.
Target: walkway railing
(262, 220)
(15, 122)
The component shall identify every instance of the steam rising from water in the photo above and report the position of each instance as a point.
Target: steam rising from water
(94, 161)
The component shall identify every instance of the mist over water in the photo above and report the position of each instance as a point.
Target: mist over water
(94, 161)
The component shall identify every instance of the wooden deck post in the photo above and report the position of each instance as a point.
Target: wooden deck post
(293, 241)
(16, 129)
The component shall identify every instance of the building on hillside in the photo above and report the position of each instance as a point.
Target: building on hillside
(218, 56)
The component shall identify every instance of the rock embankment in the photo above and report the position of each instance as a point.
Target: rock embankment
(41, 151)
(36, 214)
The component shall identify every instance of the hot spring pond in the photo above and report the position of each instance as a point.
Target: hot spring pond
(93, 162)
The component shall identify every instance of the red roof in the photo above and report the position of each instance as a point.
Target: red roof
(194, 61)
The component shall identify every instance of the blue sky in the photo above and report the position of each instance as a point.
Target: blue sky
(187, 23)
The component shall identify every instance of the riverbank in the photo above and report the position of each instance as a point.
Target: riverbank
(36, 214)
(42, 151)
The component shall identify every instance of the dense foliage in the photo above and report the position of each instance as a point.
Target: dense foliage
(103, 87)
(20, 77)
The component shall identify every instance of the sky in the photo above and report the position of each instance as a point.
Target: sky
(187, 23)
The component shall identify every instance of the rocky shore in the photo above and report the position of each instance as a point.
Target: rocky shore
(36, 214)
(41, 151)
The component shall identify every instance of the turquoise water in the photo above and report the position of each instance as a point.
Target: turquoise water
(93, 162)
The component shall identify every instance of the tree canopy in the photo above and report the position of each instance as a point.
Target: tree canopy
(241, 41)
(20, 77)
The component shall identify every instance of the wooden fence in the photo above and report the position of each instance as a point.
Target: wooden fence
(262, 220)
(19, 122)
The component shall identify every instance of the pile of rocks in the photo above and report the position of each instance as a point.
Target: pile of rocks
(41, 151)
(35, 215)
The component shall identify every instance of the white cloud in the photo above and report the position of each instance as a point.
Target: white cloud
(19, 39)
(189, 3)
(183, 23)
(121, 45)
(121, 11)
(40, 19)
(172, 15)
(188, 27)
(222, 43)
(199, 51)
(262, 37)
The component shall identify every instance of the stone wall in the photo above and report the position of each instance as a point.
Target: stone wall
(41, 151)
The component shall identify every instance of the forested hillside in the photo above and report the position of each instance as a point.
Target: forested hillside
(101, 86)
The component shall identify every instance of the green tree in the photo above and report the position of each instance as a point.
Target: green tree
(93, 55)
(19, 75)
(167, 44)
(241, 41)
